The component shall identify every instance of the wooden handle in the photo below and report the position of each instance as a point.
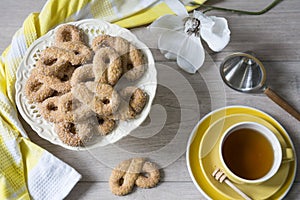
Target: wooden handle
(282, 103)
(220, 176)
(237, 190)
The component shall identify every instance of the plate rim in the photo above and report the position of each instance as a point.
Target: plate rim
(194, 131)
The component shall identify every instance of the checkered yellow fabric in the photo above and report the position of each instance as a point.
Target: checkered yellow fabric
(25, 168)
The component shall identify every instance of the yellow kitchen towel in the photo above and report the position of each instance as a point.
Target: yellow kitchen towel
(26, 170)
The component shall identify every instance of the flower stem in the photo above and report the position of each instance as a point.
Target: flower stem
(266, 9)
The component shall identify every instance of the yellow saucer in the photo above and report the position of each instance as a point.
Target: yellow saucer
(209, 158)
(202, 155)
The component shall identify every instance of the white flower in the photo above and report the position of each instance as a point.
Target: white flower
(179, 37)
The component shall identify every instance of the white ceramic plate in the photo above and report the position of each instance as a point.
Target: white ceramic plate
(91, 28)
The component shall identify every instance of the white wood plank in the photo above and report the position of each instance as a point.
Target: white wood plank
(284, 6)
(13, 13)
(165, 190)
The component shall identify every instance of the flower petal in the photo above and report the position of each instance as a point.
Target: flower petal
(170, 56)
(166, 22)
(191, 55)
(214, 31)
(177, 7)
(170, 42)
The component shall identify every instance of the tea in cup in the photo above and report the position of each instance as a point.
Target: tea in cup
(250, 153)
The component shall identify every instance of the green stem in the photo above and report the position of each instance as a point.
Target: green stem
(266, 9)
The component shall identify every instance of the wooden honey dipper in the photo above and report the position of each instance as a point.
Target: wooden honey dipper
(220, 176)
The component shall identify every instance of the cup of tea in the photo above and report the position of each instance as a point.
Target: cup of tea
(251, 153)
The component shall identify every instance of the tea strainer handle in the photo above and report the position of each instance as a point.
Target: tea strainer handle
(282, 103)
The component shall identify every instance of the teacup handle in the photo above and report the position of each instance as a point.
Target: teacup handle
(287, 155)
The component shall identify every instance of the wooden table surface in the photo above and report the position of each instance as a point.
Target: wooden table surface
(274, 37)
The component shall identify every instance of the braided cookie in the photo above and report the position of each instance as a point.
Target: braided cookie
(64, 108)
(135, 171)
(149, 176)
(123, 177)
(39, 87)
(55, 59)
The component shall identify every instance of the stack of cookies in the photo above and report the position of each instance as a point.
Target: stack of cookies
(81, 89)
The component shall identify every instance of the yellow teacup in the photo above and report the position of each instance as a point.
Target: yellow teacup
(251, 153)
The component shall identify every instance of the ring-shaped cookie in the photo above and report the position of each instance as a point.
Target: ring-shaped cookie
(76, 52)
(107, 66)
(52, 61)
(120, 44)
(124, 112)
(74, 134)
(39, 87)
(105, 125)
(85, 93)
(37, 90)
(83, 74)
(136, 97)
(132, 58)
(49, 109)
(57, 109)
(60, 108)
(101, 98)
(106, 100)
(67, 33)
(66, 74)
(135, 67)
(122, 179)
(72, 109)
(149, 176)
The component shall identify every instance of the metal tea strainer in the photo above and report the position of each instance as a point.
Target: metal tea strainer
(245, 73)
